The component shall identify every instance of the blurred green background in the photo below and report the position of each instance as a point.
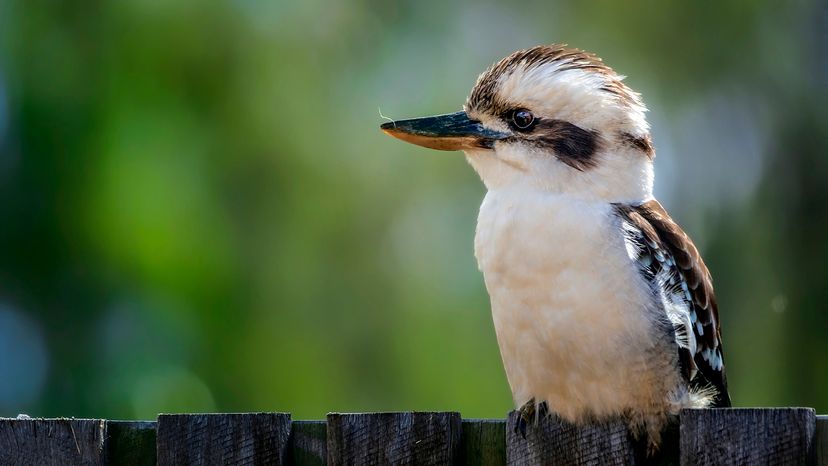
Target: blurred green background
(198, 212)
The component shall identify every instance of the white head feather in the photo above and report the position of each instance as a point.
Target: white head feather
(569, 86)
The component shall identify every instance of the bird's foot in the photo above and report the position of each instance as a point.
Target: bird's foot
(528, 414)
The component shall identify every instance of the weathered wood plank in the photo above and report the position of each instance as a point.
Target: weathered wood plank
(554, 441)
(822, 440)
(227, 439)
(52, 442)
(308, 443)
(394, 438)
(747, 436)
(483, 442)
(130, 442)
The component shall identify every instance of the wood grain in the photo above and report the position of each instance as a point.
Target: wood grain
(554, 441)
(225, 439)
(394, 438)
(50, 442)
(777, 436)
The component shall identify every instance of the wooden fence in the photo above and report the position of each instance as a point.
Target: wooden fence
(715, 437)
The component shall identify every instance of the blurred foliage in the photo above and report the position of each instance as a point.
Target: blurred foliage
(198, 211)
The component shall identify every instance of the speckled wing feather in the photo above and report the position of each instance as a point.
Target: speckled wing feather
(671, 263)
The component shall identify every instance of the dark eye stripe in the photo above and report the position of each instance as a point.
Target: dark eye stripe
(572, 144)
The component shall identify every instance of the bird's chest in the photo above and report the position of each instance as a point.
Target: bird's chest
(545, 251)
(567, 303)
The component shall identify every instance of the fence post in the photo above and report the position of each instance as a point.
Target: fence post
(52, 441)
(748, 436)
(394, 438)
(207, 439)
(555, 441)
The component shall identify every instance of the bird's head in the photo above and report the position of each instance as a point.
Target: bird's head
(548, 118)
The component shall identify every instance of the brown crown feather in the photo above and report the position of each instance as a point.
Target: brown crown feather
(483, 97)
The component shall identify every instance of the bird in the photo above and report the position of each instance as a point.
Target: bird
(602, 305)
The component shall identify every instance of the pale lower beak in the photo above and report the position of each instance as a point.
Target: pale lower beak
(454, 131)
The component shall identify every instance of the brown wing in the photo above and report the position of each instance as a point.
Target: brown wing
(673, 265)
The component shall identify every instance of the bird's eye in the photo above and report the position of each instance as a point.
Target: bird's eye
(522, 119)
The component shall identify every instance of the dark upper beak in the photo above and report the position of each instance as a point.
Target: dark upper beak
(454, 131)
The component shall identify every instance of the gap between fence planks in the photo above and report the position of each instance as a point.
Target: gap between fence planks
(732, 436)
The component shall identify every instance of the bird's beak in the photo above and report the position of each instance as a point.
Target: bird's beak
(454, 131)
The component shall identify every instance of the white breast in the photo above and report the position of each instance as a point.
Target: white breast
(574, 319)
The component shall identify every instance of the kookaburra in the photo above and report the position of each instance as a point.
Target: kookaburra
(601, 303)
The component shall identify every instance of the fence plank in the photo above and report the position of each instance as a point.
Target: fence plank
(822, 440)
(554, 441)
(52, 442)
(394, 438)
(308, 443)
(747, 436)
(227, 439)
(130, 442)
(483, 442)
(732, 436)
